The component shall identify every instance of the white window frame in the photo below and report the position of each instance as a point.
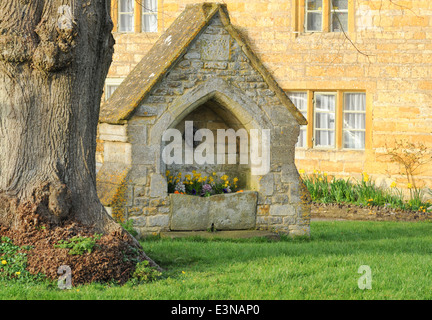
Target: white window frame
(111, 82)
(149, 13)
(304, 112)
(120, 13)
(306, 10)
(353, 112)
(334, 11)
(328, 147)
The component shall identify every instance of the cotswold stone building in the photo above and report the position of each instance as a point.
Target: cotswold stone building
(202, 73)
(358, 70)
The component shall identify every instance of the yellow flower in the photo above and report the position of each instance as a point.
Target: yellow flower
(214, 173)
(4, 262)
(17, 273)
(193, 171)
(301, 171)
(167, 173)
(393, 185)
(235, 180)
(183, 272)
(409, 186)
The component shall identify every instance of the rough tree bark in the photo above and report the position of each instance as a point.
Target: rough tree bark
(54, 57)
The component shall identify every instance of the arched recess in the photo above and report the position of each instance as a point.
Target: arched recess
(212, 104)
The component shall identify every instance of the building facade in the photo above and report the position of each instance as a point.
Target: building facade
(360, 71)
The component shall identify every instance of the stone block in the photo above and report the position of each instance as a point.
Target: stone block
(234, 211)
(158, 186)
(282, 210)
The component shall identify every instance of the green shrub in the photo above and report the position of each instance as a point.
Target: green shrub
(79, 245)
(145, 273)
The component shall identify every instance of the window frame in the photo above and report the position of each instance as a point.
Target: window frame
(305, 114)
(353, 112)
(299, 20)
(120, 13)
(306, 19)
(150, 13)
(111, 82)
(334, 11)
(339, 118)
(334, 145)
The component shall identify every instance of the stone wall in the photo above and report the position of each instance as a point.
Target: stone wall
(214, 68)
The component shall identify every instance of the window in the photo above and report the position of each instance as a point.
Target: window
(339, 15)
(314, 15)
(324, 119)
(111, 84)
(336, 119)
(149, 16)
(299, 99)
(354, 120)
(126, 16)
(324, 16)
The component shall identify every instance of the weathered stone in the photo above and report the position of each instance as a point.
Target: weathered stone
(234, 211)
(282, 210)
(158, 186)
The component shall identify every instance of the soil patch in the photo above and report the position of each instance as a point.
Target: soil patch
(354, 212)
(113, 258)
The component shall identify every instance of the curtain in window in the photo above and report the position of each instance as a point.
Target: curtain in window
(314, 15)
(325, 106)
(299, 99)
(126, 16)
(150, 22)
(354, 120)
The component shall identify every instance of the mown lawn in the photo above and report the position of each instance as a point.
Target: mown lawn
(399, 255)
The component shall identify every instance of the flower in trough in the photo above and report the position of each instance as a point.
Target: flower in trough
(180, 187)
(227, 190)
(206, 188)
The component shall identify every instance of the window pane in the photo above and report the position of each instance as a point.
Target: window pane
(325, 102)
(126, 22)
(355, 102)
(149, 23)
(150, 6)
(314, 21)
(301, 142)
(324, 138)
(340, 4)
(354, 121)
(314, 5)
(339, 21)
(324, 120)
(110, 90)
(126, 5)
(354, 140)
(299, 99)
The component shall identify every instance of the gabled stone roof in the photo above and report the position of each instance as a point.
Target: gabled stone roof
(170, 46)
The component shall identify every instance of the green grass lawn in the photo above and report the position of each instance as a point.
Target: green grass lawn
(324, 267)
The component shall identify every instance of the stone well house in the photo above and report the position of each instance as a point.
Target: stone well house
(359, 70)
(202, 73)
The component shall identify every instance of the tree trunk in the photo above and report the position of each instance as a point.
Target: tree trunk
(54, 57)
